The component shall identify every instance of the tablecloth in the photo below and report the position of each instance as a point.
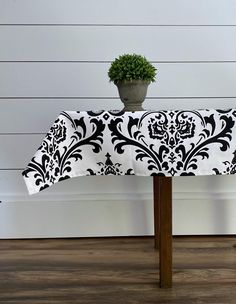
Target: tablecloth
(145, 143)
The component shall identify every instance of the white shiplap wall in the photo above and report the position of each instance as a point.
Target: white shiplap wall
(54, 56)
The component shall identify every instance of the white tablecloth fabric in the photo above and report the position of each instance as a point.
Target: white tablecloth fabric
(169, 143)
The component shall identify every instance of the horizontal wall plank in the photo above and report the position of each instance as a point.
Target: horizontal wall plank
(17, 150)
(90, 80)
(37, 115)
(118, 12)
(81, 43)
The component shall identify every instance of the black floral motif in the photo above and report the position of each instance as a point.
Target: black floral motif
(137, 139)
(109, 168)
(229, 166)
(39, 170)
(169, 131)
(55, 163)
(168, 143)
(59, 131)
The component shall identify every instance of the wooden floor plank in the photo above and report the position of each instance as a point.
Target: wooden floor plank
(116, 270)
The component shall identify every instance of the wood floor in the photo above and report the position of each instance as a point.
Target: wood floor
(116, 270)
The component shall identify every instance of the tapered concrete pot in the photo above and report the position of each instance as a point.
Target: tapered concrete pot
(132, 94)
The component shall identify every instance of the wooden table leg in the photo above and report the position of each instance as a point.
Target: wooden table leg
(163, 214)
(156, 208)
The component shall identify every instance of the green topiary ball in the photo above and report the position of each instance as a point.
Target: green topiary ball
(130, 67)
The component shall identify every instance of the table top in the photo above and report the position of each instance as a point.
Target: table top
(145, 143)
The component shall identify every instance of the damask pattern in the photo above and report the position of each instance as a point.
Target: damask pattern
(167, 143)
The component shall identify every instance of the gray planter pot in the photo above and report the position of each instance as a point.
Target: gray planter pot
(132, 94)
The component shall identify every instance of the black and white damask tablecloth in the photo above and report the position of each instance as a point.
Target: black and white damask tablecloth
(146, 143)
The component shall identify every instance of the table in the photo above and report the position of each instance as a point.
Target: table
(161, 144)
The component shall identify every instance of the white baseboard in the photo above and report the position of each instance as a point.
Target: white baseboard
(113, 214)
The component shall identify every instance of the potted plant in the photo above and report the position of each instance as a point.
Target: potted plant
(132, 74)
